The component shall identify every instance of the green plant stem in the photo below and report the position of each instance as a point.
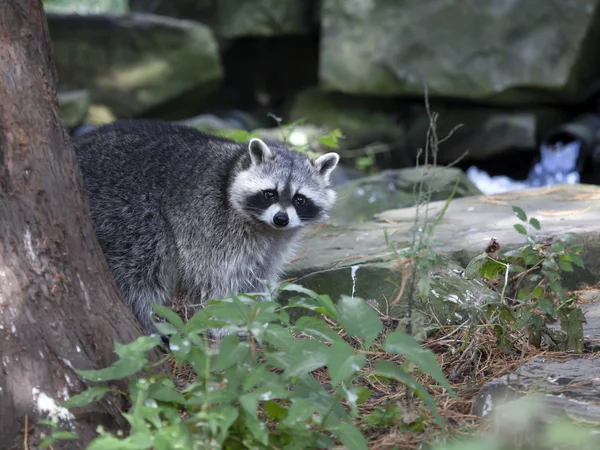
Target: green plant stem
(336, 398)
(507, 267)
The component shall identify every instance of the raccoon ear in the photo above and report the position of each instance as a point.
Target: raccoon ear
(259, 151)
(326, 163)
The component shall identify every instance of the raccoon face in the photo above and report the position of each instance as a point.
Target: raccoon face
(284, 189)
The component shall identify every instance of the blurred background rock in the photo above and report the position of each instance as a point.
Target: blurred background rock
(519, 77)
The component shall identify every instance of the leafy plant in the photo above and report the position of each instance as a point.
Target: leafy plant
(260, 392)
(532, 291)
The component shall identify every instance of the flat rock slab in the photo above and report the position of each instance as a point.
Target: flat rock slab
(569, 385)
(467, 226)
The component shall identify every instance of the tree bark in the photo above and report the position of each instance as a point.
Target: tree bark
(59, 306)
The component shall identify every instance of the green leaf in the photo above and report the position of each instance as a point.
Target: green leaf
(227, 416)
(170, 315)
(565, 265)
(250, 400)
(546, 305)
(311, 355)
(343, 363)
(363, 395)
(523, 294)
(164, 393)
(490, 269)
(558, 247)
(404, 344)
(86, 397)
(231, 351)
(200, 322)
(234, 312)
(134, 442)
(46, 442)
(65, 435)
(532, 260)
(254, 377)
(280, 337)
(165, 328)
(359, 319)
(300, 411)
(534, 278)
(291, 287)
(390, 370)
(274, 410)
(316, 328)
(538, 292)
(535, 223)
(350, 436)
(331, 139)
(321, 303)
(514, 254)
(520, 213)
(517, 269)
(520, 228)
(132, 359)
(576, 259)
(557, 289)
(257, 428)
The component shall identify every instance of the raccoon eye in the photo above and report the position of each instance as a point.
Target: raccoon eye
(270, 194)
(300, 200)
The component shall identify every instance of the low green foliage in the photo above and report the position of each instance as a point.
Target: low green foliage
(259, 391)
(532, 290)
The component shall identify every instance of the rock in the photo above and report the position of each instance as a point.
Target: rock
(566, 385)
(134, 63)
(360, 199)
(73, 106)
(484, 132)
(534, 422)
(356, 119)
(210, 123)
(240, 18)
(86, 7)
(327, 255)
(454, 298)
(507, 52)
(203, 11)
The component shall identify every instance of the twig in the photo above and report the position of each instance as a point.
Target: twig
(25, 444)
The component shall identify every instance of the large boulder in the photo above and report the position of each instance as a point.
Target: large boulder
(566, 385)
(363, 258)
(507, 51)
(86, 6)
(361, 199)
(240, 18)
(363, 122)
(483, 132)
(204, 11)
(135, 63)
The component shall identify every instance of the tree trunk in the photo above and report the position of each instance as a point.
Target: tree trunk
(59, 307)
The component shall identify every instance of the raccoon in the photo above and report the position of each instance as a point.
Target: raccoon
(179, 212)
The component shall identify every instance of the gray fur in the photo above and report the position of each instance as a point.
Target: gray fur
(173, 215)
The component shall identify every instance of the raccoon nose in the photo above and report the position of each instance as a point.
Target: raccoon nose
(281, 219)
